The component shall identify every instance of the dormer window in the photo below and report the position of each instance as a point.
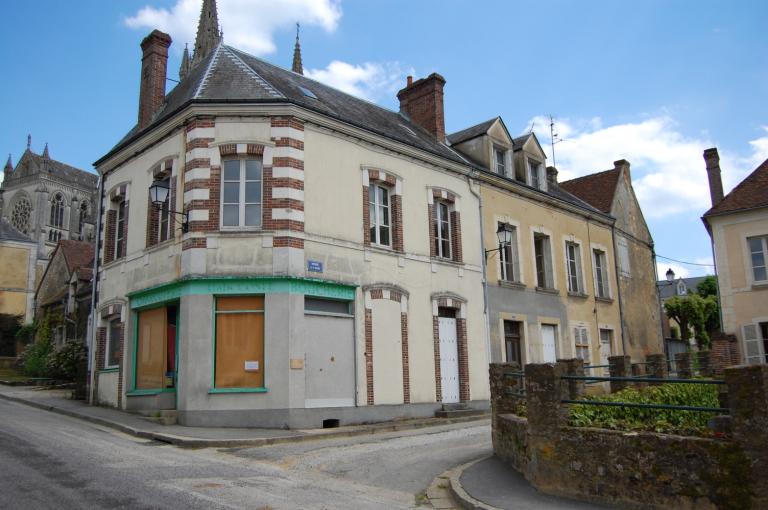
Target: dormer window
(499, 158)
(534, 172)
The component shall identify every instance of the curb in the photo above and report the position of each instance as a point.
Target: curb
(457, 490)
(187, 442)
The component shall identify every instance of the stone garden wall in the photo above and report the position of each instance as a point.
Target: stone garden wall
(634, 470)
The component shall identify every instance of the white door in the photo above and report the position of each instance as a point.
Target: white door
(548, 339)
(449, 360)
(605, 346)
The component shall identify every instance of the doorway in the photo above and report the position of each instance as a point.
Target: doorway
(548, 343)
(449, 355)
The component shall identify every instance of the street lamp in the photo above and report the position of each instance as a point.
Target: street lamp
(158, 195)
(670, 275)
(504, 235)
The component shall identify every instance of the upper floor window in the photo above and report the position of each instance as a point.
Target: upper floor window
(120, 230)
(241, 193)
(379, 208)
(573, 260)
(543, 259)
(601, 274)
(442, 230)
(500, 165)
(758, 249)
(510, 268)
(57, 211)
(534, 170)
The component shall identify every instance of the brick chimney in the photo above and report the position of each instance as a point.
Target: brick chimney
(551, 175)
(154, 68)
(712, 160)
(422, 102)
(623, 164)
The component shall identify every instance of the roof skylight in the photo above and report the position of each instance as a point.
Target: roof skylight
(307, 92)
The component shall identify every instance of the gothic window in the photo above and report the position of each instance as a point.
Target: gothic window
(20, 215)
(57, 211)
(83, 216)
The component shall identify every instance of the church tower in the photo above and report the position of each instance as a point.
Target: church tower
(208, 33)
(297, 65)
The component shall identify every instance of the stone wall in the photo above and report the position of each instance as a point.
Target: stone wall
(635, 470)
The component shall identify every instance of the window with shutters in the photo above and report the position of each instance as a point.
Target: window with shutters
(758, 255)
(581, 343)
(543, 259)
(755, 340)
(602, 289)
(120, 230)
(442, 230)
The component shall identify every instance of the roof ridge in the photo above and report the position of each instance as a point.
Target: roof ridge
(248, 69)
(475, 125)
(206, 75)
(590, 175)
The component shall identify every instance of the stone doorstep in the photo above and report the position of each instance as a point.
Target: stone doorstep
(455, 413)
(191, 442)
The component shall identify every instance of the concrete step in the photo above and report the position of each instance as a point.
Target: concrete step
(162, 420)
(162, 416)
(455, 413)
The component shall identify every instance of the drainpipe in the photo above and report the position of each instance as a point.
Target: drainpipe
(485, 269)
(617, 270)
(94, 291)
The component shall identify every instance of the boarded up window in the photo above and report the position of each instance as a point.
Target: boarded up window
(151, 349)
(239, 342)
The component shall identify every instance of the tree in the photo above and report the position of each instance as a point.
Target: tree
(707, 289)
(692, 313)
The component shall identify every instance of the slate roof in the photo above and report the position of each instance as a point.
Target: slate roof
(667, 289)
(471, 132)
(517, 143)
(9, 233)
(596, 189)
(36, 162)
(77, 254)
(229, 75)
(750, 193)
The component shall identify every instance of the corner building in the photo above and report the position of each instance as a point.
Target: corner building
(327, 267)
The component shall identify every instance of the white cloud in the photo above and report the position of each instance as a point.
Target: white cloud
(668, 170)
(248, 24)
(370, 80)
(663, 266)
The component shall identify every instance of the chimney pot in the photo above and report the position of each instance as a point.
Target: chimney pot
(409, 80)
(422, 102)
(551, 175)
(712, 161)
(154, 69)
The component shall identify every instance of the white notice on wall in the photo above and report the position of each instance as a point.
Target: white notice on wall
(251, 366)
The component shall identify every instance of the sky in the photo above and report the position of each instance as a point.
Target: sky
(652, 82)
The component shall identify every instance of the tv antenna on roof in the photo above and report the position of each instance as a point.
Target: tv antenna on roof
(554, 138)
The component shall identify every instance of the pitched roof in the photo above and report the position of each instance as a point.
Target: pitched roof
(77, 254)
(229, 75)
(597, 189)
(9, 233)
(471, 132)
(36, 162)
(750, 193)
(517, 143)
(667, 289)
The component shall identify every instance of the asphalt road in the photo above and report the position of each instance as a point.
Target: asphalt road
(49, 461)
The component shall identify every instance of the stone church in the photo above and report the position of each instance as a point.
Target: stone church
(48, 200)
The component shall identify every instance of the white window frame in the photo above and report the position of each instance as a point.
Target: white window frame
(510, 251)
(582, 343)
(546, 257)
(600, 260)
(440, 206)
(569, 271)
(499, 168)
(374, 207)
(108, 343)
(764, 253)
(534, 168)
(751, 333)
(241, 195)
(120, 220)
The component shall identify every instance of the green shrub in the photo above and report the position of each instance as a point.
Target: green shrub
(34, 358)
(64, 363)
(657, 420)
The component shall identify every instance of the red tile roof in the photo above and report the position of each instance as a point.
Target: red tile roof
(77, 254)
(750, 193)
(595, 189)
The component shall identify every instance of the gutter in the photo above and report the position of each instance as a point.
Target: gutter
(485, 268)
(94, 292)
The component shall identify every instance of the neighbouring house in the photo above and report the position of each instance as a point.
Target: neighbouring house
(667, 289)
(737, 223)
(611, 192)
(552, 290)
(47, 201)
(63, 295)
(18, 254)
(325, 263)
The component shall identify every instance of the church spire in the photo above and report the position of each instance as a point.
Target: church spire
(297, 65)
(208, 33)
(9, 165)
(184, 68)
(45, 152)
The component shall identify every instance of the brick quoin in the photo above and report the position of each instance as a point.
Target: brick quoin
(194, 242)
(438, 372)
(369, 355)
(288, 242)
(288, 162)
(200, 122)
(397, 297)
(198, 143)
(101, 340)
(406, 362)
(289, 142)
(287, 122)
(197, 163)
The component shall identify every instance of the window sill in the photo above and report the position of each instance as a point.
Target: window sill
(242, 230)
(329, 314)
(159, 246)
(760, 286)
(512, 285)
(113, 263)
(545, 290)
(380, 248)
(577, 294)
(447, 262)
(144, 393)
(603, 299)
(216, 391)
(109, 370)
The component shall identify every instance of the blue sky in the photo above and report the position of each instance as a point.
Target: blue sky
(653, 82)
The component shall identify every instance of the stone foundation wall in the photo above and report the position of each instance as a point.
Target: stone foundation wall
(635, 470)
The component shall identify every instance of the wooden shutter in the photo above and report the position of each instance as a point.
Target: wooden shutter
(753, 353)
(151, 351)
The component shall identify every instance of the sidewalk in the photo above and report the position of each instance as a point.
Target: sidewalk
(490, 484)
(57, 401)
